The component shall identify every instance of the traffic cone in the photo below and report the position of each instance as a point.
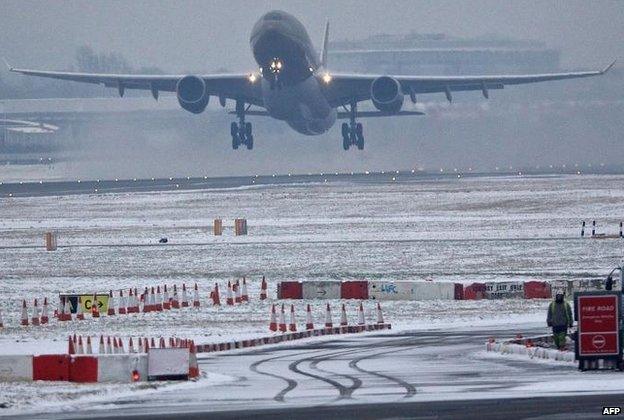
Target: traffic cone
(293, 324)
(175, 303)
(193, 366)
(130, 346)
(361, 321)
(343, 316)
(244, 294)
(216, 300)
(111, 304)
(109, 348)
(196, 297)
(120, 346)
(89, 348)
(263, 289)
(145, 345)
(166, 302)
(44, 313)
(24, 314)
(229, 300)
(146, 303)
(95, 311)
(135, 302)
(380, 319)
(161, 343)
(79, 313)
(1, 321)
(309, 322)
(237, 292)
(70, 346)
(35, 315)
(282, 320)
(80, 349)
(153, 343)
(115, 346)
(185, 302)
(101, 348)
(273, 323)
(129, 303)
(328, 317)
(159, 300)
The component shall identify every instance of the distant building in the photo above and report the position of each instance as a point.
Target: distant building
(440, 54)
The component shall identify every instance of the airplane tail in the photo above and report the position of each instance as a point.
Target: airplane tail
(323, 58)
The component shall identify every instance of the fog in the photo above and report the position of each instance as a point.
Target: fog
(556, 123)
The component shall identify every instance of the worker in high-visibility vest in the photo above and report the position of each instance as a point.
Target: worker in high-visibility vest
(559, 319)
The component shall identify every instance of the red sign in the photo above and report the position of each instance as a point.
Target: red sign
(598, 325)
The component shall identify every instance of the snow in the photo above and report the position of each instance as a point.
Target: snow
(468, 230)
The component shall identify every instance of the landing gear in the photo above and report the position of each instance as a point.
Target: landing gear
(242, 131)
(352, 132)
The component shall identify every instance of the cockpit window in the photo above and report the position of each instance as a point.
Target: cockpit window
(273, 16)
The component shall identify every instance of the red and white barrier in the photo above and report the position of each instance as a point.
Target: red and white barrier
(321, 289)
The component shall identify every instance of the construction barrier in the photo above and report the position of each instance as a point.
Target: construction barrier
(217, 227)
(354, 289)
(537, 290)
(504, 290)
(50, 241)
(321, 289)
(16, 367)
(411, 290)
(240, 227)
(290, 290)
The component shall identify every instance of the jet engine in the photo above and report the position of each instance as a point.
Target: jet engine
(191, 91)
(386, 94)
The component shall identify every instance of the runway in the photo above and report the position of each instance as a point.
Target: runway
(417, 374)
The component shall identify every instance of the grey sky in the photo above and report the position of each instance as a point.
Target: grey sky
(206, 35)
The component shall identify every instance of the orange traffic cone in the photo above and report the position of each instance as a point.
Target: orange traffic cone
(70, 347)
(216, 300)
(101, 348)
(244, 294)
(272, 324)
(79, 313)
(133, 303)
(195, 297)
(109, 347)
(166, 302)
(24, 314)
(328, 318)
(193, 366)
(343, 316)
(380, 319)
(282, 320)
(44, 314)
(111, 304)
(175, 303)
(120, 346)
(95, 311)
(80, 349)
(130, 346)
(35, 315)
(361, 320)
(237, 292)
(293, 324)
(121, 309)
(89, 348)
(309, 322)
(185, 302)
(158, 299)
(146, 301)
(229, 300)
(153, 343)
(263, 289)
(161, 343)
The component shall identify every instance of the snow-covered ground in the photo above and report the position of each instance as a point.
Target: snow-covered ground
(461, 230)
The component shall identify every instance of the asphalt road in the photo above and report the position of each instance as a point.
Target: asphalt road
(424, 374)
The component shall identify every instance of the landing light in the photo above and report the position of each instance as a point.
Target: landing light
(327, 78)
(252, 78)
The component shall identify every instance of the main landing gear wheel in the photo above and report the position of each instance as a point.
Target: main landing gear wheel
(242, 132)
(352, 132)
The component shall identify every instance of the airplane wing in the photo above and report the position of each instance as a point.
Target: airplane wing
(231, 86)
(340, 89)
(342, 115)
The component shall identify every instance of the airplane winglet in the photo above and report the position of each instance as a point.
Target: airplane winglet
(7, 64)
(324, 45)
(606, 69)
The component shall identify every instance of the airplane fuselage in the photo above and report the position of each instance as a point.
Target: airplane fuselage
(291, 91)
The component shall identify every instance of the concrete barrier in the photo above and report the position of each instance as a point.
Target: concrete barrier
(120, 367)
(321, 289)
(16, 367)
(403, 290)
(504, 290)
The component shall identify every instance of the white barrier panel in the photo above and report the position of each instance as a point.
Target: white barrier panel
(504, 290)
(16, 368)
(119, 367)
(321, 289)
(168, 363)
(406, 290)
(591, 285)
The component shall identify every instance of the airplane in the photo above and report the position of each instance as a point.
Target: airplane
(293, 84)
